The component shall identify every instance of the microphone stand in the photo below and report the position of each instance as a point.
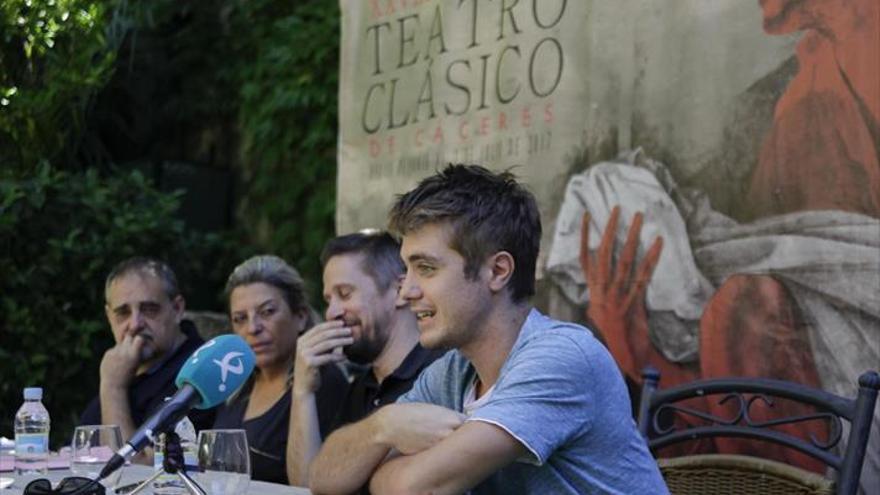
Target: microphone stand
(172, 463)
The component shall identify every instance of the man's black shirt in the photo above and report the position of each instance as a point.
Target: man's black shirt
(366, 395)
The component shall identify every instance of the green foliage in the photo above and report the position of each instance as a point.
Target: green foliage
(288, 125)
(54, 54)
(253, 85)
(242, 85)
(51, 313)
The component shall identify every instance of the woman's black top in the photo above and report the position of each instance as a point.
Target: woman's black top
(267, 433)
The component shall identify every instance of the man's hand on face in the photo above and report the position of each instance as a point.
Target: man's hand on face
(412, 428)
(120, 362)
(320, 345)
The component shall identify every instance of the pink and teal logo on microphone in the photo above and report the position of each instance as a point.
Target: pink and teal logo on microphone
(217, 369)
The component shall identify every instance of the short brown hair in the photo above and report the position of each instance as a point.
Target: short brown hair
(488, 212)
(381, 254)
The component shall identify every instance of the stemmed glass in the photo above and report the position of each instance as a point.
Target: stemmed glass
(224, 462)
(92, 446)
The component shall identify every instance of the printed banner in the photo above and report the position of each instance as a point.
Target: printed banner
(744, 134)
(425, 83)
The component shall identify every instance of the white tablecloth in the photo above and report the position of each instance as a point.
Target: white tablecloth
(136, 472)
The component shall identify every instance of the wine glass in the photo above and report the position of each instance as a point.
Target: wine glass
(224, 461)
(92, 446)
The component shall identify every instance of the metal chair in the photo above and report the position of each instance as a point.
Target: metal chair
(718, 473)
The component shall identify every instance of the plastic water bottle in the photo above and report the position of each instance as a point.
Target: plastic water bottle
(32, 434)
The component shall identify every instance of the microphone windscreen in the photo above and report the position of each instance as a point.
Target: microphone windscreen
(217, 369)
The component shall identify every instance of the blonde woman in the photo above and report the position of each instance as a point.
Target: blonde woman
(268, 308)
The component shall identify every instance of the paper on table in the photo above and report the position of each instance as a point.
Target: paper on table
(59, 460)
(56, 461)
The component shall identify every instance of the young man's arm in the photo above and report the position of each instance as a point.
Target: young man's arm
(454, 465)
(351, 454)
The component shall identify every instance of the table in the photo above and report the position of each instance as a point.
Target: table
(136, 472)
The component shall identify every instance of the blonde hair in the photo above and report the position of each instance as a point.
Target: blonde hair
(274, 271)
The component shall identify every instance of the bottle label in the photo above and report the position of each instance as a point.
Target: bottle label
(31, 443)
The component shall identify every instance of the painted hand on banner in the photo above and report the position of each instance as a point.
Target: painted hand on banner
(617, 292)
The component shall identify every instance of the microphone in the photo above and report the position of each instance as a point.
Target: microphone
(208, 377)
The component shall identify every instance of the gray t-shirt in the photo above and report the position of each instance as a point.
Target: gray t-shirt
(561, 395)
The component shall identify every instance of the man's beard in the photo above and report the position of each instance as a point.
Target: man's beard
(363, 351)
(148, 350)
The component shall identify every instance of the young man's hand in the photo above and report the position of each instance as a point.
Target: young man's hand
(412, 428)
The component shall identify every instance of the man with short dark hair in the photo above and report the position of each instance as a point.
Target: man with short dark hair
(145, 310)
(524, 403)
(370, 326)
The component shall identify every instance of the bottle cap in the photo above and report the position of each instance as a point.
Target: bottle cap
(33, 393)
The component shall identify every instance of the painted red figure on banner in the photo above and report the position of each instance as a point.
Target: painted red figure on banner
(820, 154)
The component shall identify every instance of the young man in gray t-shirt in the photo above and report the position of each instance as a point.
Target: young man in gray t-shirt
(523, 403)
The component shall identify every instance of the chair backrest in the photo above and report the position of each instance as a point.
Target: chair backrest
(656, 407)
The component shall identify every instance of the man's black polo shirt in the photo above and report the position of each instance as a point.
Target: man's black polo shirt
(147, 391)
(366, 395)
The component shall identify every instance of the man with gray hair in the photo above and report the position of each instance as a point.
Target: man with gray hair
(145, 310)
